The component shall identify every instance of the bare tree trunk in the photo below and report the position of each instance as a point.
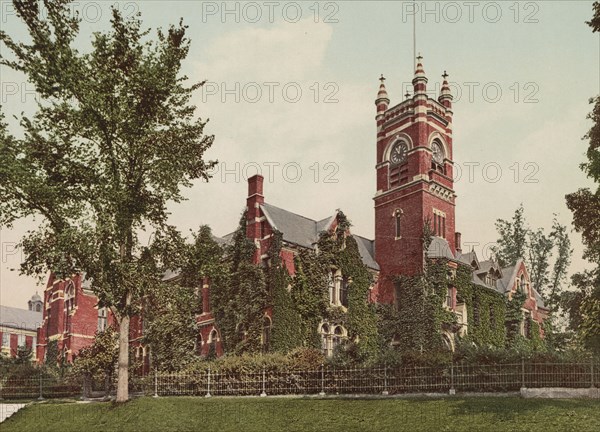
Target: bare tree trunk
(123, 367)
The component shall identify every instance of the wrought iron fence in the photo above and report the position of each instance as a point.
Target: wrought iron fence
(459, 378)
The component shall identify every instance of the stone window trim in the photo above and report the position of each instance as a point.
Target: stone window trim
(332, 335)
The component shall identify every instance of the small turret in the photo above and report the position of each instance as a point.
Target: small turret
(35, 304)
(446, 97)
(420, 80)
(382, 102)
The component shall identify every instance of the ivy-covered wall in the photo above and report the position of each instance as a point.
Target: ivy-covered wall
(486, 310)
(299, 304)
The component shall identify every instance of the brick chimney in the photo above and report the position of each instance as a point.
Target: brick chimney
(253, 202)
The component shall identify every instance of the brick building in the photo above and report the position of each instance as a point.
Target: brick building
(414, 177)
(18, 327)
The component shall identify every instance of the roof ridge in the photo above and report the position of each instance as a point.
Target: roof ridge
(296, 214)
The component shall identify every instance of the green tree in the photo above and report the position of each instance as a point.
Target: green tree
(240, 296)
(114, 139)
(99, 358)
(585, 205)
(539, 250)
(562, 243)
(170, 308)
(512, 243)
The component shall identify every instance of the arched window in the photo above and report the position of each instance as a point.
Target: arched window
(266, 336)
(70, 297)
(326, 340)
(38, 307)
(212, 344)
(338, 336)
(344, 283)
(523, 284)
(398, 223)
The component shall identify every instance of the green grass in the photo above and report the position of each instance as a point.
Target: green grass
(279, 414)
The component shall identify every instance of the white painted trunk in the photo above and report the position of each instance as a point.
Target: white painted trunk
(123, 366)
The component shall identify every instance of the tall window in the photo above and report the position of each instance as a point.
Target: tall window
(398, 223)
(338, 288)
(344, 292)
(5, 339)
(527, 326)
(338, 335)
(70, 297)
(38, 307)
(102, 319)
(449, 298)
(266, 336)
(21, 340)
(34, 343)
(439, 224)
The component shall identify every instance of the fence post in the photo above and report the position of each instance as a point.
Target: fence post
(592, 373)
(452, 389)
(522, 373)
(41, 386)
(155, 382)
(208, 388)
(322, 381)
(385, 390)
(264, 393)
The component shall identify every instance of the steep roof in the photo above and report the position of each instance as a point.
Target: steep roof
(439, 248)
(296, 229)
(304, 232)
(366, 248)
(20, 318)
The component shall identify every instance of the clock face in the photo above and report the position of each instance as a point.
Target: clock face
(399, 152)
(438, 153)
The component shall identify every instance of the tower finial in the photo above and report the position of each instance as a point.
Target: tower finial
(419, 57)
(445, 75)
(382, 78)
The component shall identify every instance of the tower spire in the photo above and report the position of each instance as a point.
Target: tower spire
(420, 80)
(445, 97)
(382, 100)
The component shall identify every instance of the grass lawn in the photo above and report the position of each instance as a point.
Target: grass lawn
(283, 414)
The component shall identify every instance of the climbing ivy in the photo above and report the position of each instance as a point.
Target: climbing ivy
(337, 249)
(514, 315)
(486, 310)
(240, 296)
(287, 329)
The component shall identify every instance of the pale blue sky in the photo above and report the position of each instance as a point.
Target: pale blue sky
(554, 63)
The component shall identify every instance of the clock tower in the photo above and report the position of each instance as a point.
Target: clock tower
(414, 180)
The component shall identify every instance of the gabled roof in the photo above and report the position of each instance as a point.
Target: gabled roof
(366, 248)
(304, 232)
(296, 229)
(20, 318)
(468, 258)
(439, 248)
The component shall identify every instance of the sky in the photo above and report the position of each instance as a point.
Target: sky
(290, 90)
